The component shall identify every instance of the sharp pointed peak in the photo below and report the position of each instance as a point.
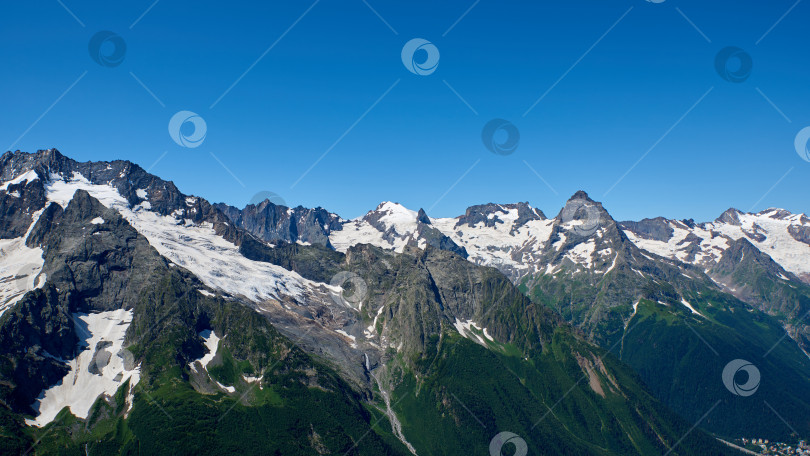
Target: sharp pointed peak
(730, 216)
(581, 195)
(422, 216)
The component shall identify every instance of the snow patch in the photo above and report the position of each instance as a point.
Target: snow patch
(692, 309)
(197, 248)
(369, 332)
(22, 178)
(345, 334)
(20, 268)
(465, 328)
(211, 344)
(98, 370)
(582, 253)
(229, 389)
(250, 379)
(713, 239)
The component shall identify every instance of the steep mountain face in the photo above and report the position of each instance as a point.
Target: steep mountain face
(147, 321)
(775, 232)
(672, 323)
(445, 325)
(592, 265)
(760, 258)
(602, 277)
(110, 335)
(747, 273)
(270, 222)
(505, 236)
(652, 310)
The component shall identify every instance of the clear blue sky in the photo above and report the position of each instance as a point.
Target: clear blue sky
(326, 71)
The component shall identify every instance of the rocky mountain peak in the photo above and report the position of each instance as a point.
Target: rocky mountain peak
(730, 216)
(745, 260)
(492, 214)
(422, 217)
(656, 229)
(777, 213)
(389, 214)
(580, 195)
(583, 216)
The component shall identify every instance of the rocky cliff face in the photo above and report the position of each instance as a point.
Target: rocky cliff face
(223, 330)
(96, 261)
(270, 222)
(747, 273)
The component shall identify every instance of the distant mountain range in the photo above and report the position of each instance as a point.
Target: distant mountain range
(599, 274)
(137, 319)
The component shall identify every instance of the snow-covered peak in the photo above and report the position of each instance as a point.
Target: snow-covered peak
(194, 246)
(393, 207)
(778, 233)
(781, 214)
(393, 214)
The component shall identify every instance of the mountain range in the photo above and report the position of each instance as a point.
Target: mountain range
(135, 319)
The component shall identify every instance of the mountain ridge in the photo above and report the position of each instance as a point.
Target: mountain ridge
(217, 329)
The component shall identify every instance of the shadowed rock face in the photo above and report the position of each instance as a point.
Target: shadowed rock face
(17, 207)
(730, 216)
(89, 267)
(800, 232)
(657, 229)
(126, 177)
(271, 222)
(755, 278)
(488, 214)
(415, 301)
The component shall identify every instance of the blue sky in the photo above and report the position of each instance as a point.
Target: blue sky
(326, 80)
